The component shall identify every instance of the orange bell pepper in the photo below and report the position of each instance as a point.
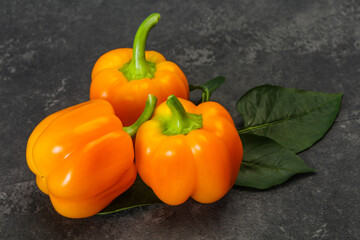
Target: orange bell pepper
(125, 77)
(188, 151)
(83, 158)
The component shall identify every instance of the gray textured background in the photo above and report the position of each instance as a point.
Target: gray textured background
(47, 51)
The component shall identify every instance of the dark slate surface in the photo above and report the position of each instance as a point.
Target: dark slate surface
(47, 51)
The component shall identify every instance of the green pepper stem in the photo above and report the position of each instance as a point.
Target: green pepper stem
(146, 115)
(138, 67)
(180, 122)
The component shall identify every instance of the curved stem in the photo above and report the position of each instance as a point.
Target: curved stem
(146, 115)
(140, 40)
(138, 67)
(181, 122)
(208, 88)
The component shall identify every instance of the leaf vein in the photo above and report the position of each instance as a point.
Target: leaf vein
(249, 129)
(267, 166)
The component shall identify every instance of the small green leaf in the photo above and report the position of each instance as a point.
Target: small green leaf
(209, 87)
(139, 194)
(294, 118)
(266, 163)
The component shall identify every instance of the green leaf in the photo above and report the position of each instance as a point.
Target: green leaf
(266, 163)
(209, 87)
(139, 194)
(294, 118)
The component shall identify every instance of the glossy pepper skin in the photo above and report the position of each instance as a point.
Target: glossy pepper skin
(124, 77)
(190, 152)
(82, 158)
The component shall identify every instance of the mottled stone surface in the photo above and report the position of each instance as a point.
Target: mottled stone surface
(47, 51)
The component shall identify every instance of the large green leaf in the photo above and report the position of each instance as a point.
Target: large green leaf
(266, 163)
(139, 194)
(294, 118)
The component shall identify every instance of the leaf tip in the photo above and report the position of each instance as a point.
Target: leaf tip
(312, 170)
